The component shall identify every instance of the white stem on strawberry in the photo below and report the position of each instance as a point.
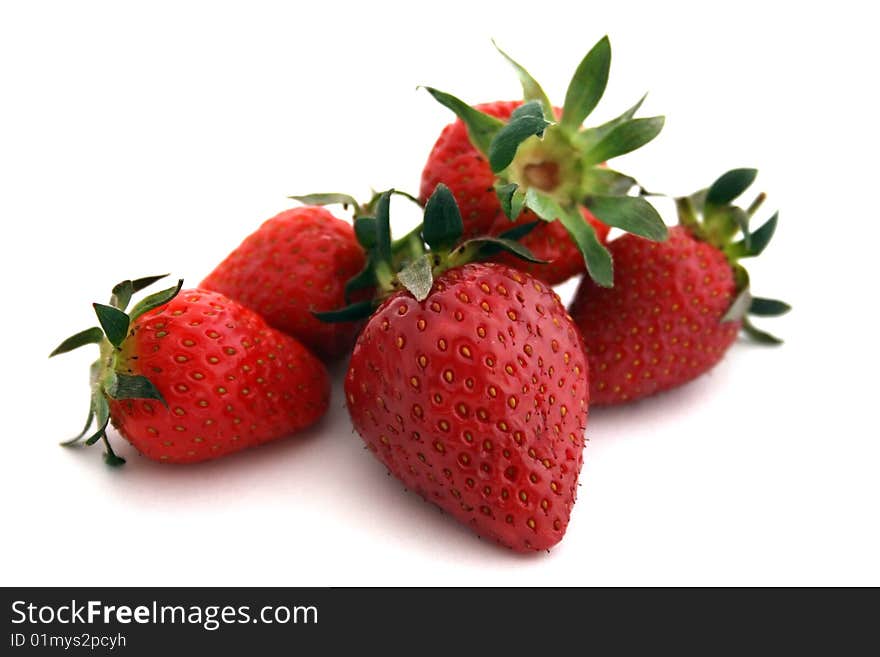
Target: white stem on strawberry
(553, 168)
(105, 379)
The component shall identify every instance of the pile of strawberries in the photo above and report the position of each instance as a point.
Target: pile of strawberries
(468, 378)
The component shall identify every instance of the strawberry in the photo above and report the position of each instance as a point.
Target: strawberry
(295, 263)
(470, 384)
(192, 375)
(455, 162)
(528, 161)
(676, 307)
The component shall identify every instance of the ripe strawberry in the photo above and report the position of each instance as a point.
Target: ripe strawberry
(456, 163)
(190, 376)
(470, 384)
(295, 263)
(522, 162)
(676, 307)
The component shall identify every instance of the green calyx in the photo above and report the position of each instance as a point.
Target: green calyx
(106, 378)
(710, 216)
(430, 249)
(553, 168)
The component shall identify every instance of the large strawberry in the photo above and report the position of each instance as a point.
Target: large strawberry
(509, 161)
(676, 307)
(470, 384)
(295, 263)
(192, 375)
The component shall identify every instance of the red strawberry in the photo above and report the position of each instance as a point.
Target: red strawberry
(672, 314)
(190, 376)
(295, 263)
(456, 163)
(518, 162)
(476, 398)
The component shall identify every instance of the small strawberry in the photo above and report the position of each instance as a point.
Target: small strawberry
(192, 375)
(676, 307)
(295, 263)
(470, 384)
(523, 162)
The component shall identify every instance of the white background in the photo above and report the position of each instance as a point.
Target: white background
(150, 137)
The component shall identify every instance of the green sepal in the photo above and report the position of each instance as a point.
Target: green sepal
(518, 232)
(114, 322)
(624, 138)
(121, 294)
(587, 85)
(596, 256)
(763, 307)
(128, 386)
(526, 121)
(92, 335)
(589, 137)
(102, 416)
(630, 213)
(417, 276)
(480, 126)
(511, 198)
(606, 182)
(531, 89)
(328, 198)
(365, 232)
(759, 239)
(443, 226)
(155, 300)
(351, 313)
(721, 223)
(739, 308)
(123, 291)
(489, 246)
(729, 186)
(364, 279)
(383, 228)
(759, 336)
(81, 434)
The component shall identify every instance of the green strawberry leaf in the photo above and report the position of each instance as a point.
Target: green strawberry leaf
(490, 246)
(630, 213)
(329, 198)
(596, 257)
(383, 228)
(589, 137)
(759, 336)
(624, 138)
(511, 198)
(102, 416)
(417, 276)
(139, 284)
(518, 232)
(768, 307)
(365, 232)
(480, 126)
(351, 313)
(606, 182)
(92, 335)
(364, 279)
(85, 430)
(739, 307)
(443, 226)
(759, 239)
(525, 121)
(587, 85)
(531, 89)
(729, 186)
(114, 322)
(154, 301)
(127, 386)
(121, 295)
